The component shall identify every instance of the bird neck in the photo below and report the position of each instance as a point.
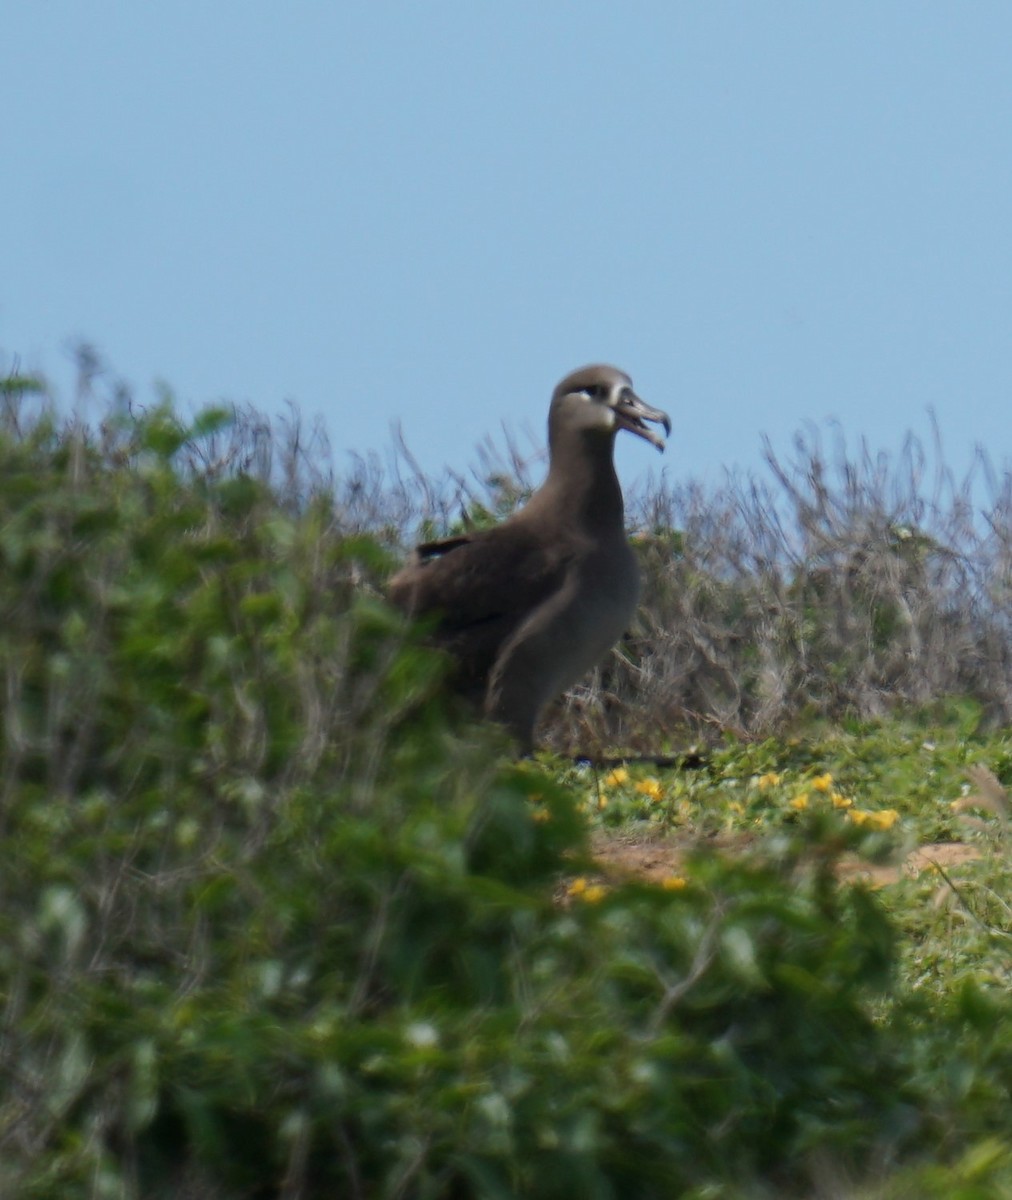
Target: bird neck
(582, 481)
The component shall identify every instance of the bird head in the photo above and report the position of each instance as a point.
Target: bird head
(601, 399)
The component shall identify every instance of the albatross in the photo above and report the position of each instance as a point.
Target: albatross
(528, 607)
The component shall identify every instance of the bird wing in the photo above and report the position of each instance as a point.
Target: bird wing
(480, 587)
(474, 578)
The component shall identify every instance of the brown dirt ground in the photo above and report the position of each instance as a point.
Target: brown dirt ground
(623, 856)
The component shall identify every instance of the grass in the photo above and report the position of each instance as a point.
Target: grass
(276, 922)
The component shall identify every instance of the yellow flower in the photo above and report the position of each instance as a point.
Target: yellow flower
(823, 783)
(800, 802)
(577, 887)
(650, 787)
(770, 779)
(885, 819)
(614, 778)
(594, 893)
(841, 801)
(602, 802)
(674, 883)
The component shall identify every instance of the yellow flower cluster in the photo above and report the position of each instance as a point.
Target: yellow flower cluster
(823, 783)
(674, 883)
(650, 787)
(589, 892)
(820, 783)
(885, 819)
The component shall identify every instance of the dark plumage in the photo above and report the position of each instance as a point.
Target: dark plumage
(528, 607)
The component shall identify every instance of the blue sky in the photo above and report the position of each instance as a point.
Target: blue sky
(767, 213)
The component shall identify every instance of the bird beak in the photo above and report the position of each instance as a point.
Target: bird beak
(630, 413)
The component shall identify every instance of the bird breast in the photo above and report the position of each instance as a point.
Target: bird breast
(602, 607)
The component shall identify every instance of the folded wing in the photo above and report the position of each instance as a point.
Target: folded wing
(478, 588)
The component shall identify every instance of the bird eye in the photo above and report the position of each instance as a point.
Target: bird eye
(592, 391)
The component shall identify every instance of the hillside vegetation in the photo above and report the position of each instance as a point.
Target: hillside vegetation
(277, 921)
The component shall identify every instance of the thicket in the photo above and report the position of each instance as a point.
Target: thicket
(275, 923)
(844, 583)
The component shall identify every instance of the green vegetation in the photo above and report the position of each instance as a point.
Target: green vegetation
(275, 921)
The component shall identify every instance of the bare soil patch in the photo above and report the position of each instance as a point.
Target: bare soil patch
(654, 858)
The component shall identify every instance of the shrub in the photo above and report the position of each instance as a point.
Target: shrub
(274, 921)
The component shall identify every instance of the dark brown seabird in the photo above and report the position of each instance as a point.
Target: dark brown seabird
(528, 607)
